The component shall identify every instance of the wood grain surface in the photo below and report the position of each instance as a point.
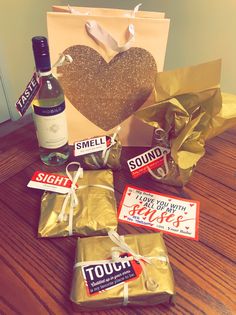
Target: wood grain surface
(36, 273)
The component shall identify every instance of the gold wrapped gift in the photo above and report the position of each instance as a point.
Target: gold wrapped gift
(110, 160)
(94, 214)
(99, 275)
(189, 110)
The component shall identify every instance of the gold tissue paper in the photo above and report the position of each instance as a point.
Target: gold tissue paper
(189, 110)
(95, 214)
(95, 271)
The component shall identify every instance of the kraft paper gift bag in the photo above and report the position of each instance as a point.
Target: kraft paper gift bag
(115, 56)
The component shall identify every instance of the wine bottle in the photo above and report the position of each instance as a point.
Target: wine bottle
(49, 109)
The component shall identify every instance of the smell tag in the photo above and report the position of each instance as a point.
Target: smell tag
(28, 95)
(102, 277)
(92, 145)
(159, 212)
(151, 159)
(50, 182)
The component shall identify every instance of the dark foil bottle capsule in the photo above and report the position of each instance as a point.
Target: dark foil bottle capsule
(49, 109)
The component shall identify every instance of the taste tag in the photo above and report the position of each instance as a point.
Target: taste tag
(92, 145)
(159, 212)
(50, 182)
(28, 95)
(151, 159)
(101, 277)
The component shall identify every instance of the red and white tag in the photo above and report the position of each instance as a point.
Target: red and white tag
(28, 95)
(92, 145)
(50, 182)
(101, 277)
(159, 212)
(151, 159)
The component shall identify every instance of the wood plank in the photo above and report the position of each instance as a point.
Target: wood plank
(18, 150)
(229, 135)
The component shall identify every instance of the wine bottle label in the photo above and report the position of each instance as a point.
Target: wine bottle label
(49, 111)
(51, 127)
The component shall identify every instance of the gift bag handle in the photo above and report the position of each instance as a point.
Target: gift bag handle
(102, 36)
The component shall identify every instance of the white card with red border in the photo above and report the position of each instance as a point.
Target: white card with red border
(50, 182)
(155, 211)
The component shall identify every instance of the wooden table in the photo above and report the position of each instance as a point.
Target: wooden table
(36, 273)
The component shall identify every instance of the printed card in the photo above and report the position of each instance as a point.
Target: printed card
(101, 277)
(159, 212)
(27, 96)
(50, 182)
(92, 145)
(151, 159)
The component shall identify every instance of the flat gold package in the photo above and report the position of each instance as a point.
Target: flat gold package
(95, 214)
(96, 270)
(189, 110)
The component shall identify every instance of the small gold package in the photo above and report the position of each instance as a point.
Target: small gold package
(111, 160)
(189, 110)
(90, 209)
(109, 157)
(123, 270)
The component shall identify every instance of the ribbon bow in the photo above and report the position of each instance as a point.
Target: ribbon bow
(150, 283)
(123, 248)
(71, 195)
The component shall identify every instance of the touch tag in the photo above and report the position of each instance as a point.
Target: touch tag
(50, 182)
(151, 159)
(92, 145)
(28, 95)
(102, 277)
(159, 212)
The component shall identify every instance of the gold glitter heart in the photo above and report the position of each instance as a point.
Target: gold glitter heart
(107, 93)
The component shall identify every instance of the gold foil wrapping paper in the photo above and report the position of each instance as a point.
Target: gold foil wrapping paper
(190, 109)
(99, 248)
(113, 160)
(95, 214)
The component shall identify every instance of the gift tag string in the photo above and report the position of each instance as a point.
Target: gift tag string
(106, 152)
(160, 136)
(159, 170)
(63, 59)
